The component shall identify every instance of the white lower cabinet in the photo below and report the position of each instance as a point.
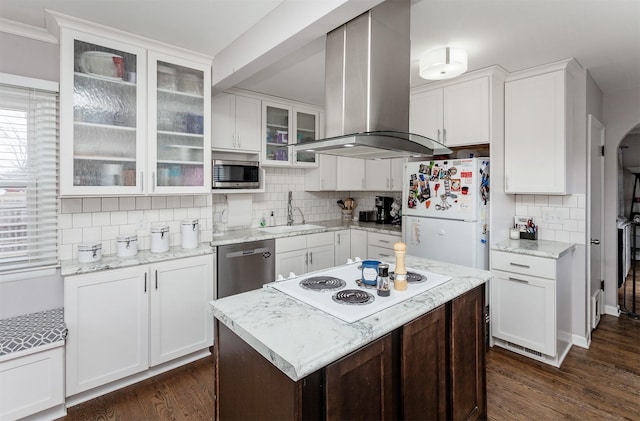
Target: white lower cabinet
(177, 308)
(358, 244)
(304, 253)
(380, 246)
(342, 244)
(530, 304)
(123, 321)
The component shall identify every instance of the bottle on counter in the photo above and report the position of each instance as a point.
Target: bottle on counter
(400, 281)
(383, 280)
(272, 220)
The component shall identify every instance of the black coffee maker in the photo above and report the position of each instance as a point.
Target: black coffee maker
(383, 209)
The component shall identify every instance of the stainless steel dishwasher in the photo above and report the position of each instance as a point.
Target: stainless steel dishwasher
(245, 266)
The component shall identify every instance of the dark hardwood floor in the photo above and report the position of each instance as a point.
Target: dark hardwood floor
(601, 383)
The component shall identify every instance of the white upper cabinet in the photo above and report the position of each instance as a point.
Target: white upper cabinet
(539, 129)
(466, 113)
(133, 119)
(179, 136)
(284, 124)
(351, 173)
(235, 123)
(324, 176)
(459, 112)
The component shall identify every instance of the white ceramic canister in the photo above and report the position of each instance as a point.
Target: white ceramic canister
(190, 230)
(89, 252)
(127, 245)
(159, 238)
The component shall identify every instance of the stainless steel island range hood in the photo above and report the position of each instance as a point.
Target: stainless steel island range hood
(367, 63)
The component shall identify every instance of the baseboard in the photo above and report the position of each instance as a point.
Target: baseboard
(612, 310)
(581, 341)
(135, 378)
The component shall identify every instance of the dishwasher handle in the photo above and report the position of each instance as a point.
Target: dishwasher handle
(244, 253)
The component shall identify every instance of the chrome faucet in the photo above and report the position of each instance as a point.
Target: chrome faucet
(301, 214)
(289, 209)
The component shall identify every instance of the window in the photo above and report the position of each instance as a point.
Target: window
(28, 177)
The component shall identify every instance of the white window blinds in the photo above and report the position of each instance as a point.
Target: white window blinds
(28, 178)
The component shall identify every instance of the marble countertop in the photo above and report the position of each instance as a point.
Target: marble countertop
(254, 234)
(74, 267)
(540, 248)
(300, 339)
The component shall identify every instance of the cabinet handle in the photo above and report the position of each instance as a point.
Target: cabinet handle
(438, 135)
(153, 177)
(233, 140)
(444, 136)
(363, 185)
(384, 241)
(520, 265)
(388, 183)
(156, 279)
(238, 138)
(384, 255)
(310, 257)
(145, 282)
(522, 281)
(338, 239)
(142, 181)
(306, 258)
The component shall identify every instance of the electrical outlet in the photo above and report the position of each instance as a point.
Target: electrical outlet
(142, 223)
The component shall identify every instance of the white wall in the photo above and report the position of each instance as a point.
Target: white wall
(621, 111)
(27, 57)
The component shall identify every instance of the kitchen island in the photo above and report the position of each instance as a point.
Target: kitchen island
(278, 358)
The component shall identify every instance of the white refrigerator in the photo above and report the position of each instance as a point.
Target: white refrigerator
(446, 211)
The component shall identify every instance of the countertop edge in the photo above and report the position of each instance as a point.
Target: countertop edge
(340, 338)
(538, 248)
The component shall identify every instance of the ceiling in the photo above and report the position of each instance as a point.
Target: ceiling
(603, 35)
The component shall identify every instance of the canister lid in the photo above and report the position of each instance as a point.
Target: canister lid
(159, 228)
(190, 221)
(126, 238)
(89, 246)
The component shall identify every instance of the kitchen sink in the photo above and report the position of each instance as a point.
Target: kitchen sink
(281, 229)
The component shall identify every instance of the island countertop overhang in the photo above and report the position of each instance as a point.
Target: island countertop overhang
(300, 339)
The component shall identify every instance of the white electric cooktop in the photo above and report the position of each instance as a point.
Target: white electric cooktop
(337, 292)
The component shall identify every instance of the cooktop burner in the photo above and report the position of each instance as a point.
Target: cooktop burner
(322, 283)
(411, 277)
(353, 297)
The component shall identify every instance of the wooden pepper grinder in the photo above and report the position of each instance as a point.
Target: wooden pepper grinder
(400, 282)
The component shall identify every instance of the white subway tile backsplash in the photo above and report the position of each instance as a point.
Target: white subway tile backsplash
(65, 251)
(570, 201)
(143, 203)
(81, 220)
(158, 202)
(110, 204)
(91, 204)
(199, 201)
(118, 218)
(555, 201)
(92, 235)
(186, 201)
(540, 200)
(110, 232)
(72, 235)
(65, 221)
(578, 213)
(173, 201)
(71, 205)
(127, 203)
(99, 219)
(563, 236)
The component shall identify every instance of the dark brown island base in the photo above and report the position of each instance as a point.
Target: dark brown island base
(431, 368)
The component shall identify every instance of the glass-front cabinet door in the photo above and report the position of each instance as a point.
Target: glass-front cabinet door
(179, 125)
(306, 128)
(102, 120)
(276, 129)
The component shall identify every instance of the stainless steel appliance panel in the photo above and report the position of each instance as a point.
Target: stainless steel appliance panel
(244, 267)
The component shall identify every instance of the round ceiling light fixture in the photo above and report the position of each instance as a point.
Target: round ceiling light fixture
(443, 63)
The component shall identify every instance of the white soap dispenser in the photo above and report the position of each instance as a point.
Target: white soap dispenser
(272, 220)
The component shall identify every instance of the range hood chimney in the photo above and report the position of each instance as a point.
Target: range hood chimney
(367, 71)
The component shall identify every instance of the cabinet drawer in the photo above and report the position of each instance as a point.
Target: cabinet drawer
(383, 240)
(320, 239)
(296, 242)
(524, 264)
(380, 253)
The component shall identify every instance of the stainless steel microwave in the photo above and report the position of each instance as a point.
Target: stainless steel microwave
(228, 174)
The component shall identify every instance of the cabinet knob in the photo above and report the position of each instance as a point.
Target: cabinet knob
(595, 241)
